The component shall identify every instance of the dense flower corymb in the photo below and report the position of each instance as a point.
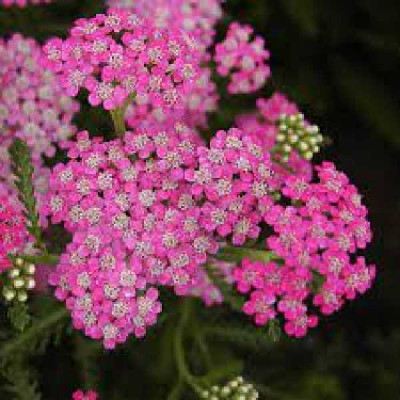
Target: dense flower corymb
(117, 55)
(148, 211)
(32, 107)
(243, 60)
(235, 179)
(197, 17)
(134, 226)
(23, 3)
(318, 239)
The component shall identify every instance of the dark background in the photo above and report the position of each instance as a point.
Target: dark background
(339, 60)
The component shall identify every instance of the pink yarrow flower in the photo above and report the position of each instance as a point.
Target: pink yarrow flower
(316, 241)
(134, 227)
(23, 3)
(33, 108)
(81, 395)
(145, 61)
(198, 18)
(242, 59)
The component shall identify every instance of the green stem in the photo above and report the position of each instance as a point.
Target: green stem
(202, 345)
(228, 370)
(35, 330)
(86, 354)
(232, 253)
(176, 391)
(179, 350)
(44, 259)
(118, 117)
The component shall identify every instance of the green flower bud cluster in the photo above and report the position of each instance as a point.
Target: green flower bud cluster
(236, 389)
(295, 134)
(19, 280)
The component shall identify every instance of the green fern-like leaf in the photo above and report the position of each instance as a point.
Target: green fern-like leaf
(86, 355)
(19, 316)
(243, 335)
(36, 338)
(22, 168)
(20, 382)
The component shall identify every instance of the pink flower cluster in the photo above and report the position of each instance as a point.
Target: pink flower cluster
(200, 99)
(134, 226)
(23, 3)
(197, 17)
(242, 59)
(118, 55)
(32, 107)
(81, 395)
(150, 222)
(13, 234)
(234, 181)
(317, 238)
(263, 126)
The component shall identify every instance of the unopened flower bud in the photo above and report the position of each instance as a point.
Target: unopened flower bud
(13, 273)
(22, 296)
(295, 134)
(9, 294)
(30, 269)
(18, 283)
(30, 283)
(19, 262)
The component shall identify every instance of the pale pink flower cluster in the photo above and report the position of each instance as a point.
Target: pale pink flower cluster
(242, 59)
(263, 126)
(197, 17)
(32, 107)
(81, 395)
(13, 234)
(23, 3)
(318, 239)
(117, 55)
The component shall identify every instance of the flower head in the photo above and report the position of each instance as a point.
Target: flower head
(198, 18)
(134, 225)
(242, 59)
(81, 395)
(317, 240)
(117, 56)
(23, 3)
